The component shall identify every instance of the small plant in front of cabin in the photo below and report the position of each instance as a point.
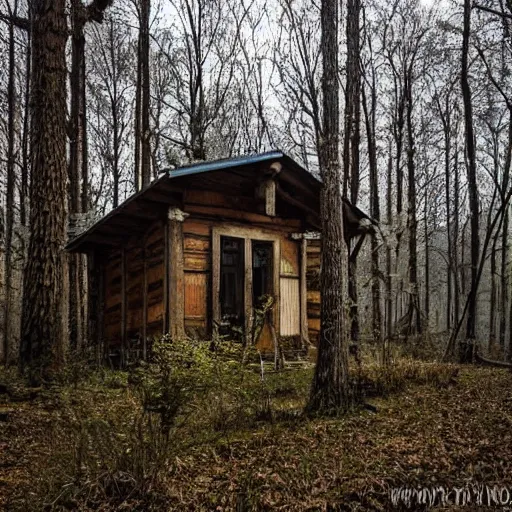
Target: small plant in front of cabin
(178, 370)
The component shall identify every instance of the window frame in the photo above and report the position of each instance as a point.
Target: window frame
(248, 235)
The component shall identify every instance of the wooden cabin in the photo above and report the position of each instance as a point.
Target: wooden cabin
(200, 247)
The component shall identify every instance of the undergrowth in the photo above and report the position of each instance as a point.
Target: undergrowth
(116, 439)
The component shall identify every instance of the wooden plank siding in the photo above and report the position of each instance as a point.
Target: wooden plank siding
(135, 291)
(155, 274)
(112, 293)
(172, 273)
(313, 289)
(197, 269)
(290, 307)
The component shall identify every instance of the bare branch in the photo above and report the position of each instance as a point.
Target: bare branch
(492, 11)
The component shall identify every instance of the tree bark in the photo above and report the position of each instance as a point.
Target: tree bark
(466, 349)
(44, 325)
(456, 267)
(374, 210)
(77, 171)
(351, 144)
(504, 244)
(414, 313)
(389, 219)
(446, 122)
(142, 97)
(9, 203)
(330, 390)
(145, 131)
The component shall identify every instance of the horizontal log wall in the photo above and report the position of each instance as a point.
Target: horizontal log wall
(155, 275)
(313, 289)
(145, 306)
(113, 299)
(131, 317)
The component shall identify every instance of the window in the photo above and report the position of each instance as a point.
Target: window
(232, 281)
(245, 266)
(261, 270)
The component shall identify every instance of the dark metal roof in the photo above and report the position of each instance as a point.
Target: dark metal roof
(111, 222)
(225, 163)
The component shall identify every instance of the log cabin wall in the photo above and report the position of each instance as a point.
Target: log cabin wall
(138, 279)
(133, 290)
(155, 278)
(197, 273)
(113, 299)
(313, 289)
(163, 279)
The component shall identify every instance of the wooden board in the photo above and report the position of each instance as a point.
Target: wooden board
(289, 257)
(218, 199)
(196, 293)
(197, 268)
(240, 215)
(313, 289)
(112, 291)
(176, 273)
(134, 290)
(290, 306)
(155, 274)
(265, 341)
(197, 227)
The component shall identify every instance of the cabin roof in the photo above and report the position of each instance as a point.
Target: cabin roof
(137, 212)
(241, 161)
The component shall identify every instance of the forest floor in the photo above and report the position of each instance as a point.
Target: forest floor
(85, 447)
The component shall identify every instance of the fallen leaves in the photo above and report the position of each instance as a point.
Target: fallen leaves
(424, 436)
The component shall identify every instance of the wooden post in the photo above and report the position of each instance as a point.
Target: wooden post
(167, 257)
(248, 306)
(267, 192)
(144, 301)
(304, 334)
(123, 308)
(215, 265)
(270, 198)
(176, 275)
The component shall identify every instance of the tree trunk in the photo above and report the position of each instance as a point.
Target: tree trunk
(9, 203)
(446, 121)
(456, 267)
(494, 293)
(374, 211)
(77, 172)
(503, 281)
(24, 193)
(504, 243)
(142, 96)
(44, 318)
(351, 144)
(466, 349)
(144, 56)
(330, 390)
(414, 313)
(137, 172)
(389, 219)
(427, 269)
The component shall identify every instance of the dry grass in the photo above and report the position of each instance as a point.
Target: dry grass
(245, 445)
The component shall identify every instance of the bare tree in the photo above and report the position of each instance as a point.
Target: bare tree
(44, 319)
(142, 98)
(330, 390)
(110, 111)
